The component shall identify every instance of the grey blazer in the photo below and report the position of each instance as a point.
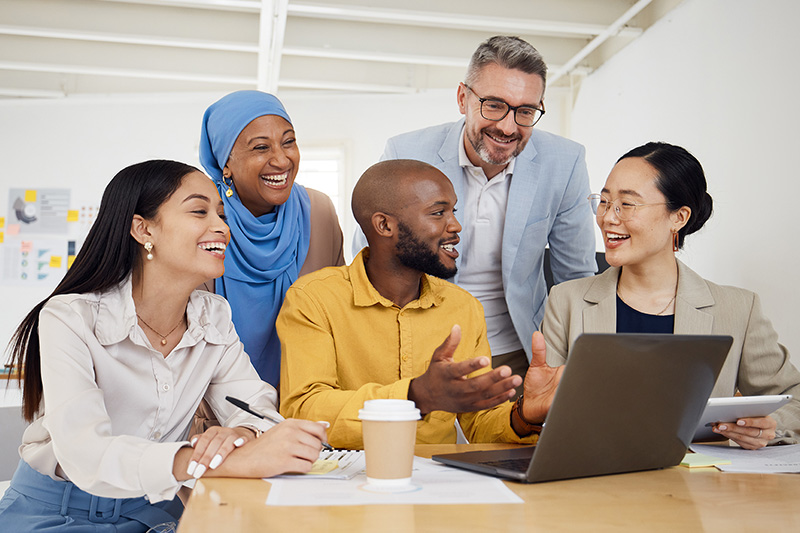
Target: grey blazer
(756, 365)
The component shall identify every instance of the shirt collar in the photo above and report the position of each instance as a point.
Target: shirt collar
(116, 317)
(464, 161)
(366, 295)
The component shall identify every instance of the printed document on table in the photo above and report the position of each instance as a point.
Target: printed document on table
(769, 460)
(348, 464)
(431, 483)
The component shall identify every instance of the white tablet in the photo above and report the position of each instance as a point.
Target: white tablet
(731, 409)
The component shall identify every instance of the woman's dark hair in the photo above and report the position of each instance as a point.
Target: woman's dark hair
(681, 180)
(107, 257)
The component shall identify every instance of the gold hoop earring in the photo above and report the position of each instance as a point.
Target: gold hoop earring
(149, 247)
(229, 192)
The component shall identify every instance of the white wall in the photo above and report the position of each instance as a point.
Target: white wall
(717, 77)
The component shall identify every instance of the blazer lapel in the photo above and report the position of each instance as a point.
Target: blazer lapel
(521, 196)
(602, 317)
(692, 296)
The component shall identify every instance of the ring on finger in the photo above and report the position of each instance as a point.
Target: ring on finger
(759, 433)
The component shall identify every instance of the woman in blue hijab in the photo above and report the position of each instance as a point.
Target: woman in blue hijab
(279, 229)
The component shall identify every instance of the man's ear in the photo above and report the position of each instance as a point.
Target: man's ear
(140, 229)
(383, 225)
(461, 98)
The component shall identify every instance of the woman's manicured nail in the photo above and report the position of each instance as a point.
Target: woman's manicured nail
(198, 473)
(194, 441)
(215, 462)
(192, 466)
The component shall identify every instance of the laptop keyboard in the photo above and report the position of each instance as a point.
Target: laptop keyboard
(517, 465)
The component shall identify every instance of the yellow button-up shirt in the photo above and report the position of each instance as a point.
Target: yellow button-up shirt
(343, 343)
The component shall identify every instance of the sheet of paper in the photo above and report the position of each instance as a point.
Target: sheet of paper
(432, 483)
(769, 460)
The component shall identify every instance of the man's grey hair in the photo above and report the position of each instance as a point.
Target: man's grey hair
(508, 52)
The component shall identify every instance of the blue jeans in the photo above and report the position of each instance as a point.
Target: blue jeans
(36, 502)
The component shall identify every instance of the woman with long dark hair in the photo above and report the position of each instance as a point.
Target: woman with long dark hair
(115, 362)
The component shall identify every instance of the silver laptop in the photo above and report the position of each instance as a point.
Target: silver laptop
(626, 402)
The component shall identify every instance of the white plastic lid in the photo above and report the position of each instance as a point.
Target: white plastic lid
(389, 410)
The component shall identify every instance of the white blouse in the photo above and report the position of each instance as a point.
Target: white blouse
(115, 410)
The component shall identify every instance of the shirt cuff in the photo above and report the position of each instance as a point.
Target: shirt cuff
(155, 471)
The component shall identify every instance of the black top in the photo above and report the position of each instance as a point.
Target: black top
(629, 320)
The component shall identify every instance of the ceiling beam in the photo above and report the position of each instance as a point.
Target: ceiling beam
(450, 20)
(342, 86)
(611, 31)
(146, 40)
(272, 28)
(380, 57)
(126, 73)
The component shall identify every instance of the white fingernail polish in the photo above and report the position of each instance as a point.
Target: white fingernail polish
(324, 423)
(215, 462)
(192, 466)
(201, 469)
(238, 442)
(194, 441)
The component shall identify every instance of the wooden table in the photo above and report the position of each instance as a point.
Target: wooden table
(675, 500)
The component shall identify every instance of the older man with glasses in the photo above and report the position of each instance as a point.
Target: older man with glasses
(519, 190)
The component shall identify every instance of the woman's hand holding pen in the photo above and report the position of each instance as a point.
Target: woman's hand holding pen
(291, 446)
(213, 446)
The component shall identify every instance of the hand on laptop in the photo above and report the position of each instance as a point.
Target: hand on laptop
(541, 382)
(446, 387)
(749, 433)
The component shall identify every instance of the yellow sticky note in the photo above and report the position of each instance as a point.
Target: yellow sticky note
(2, 221)
(2, 236)
(323, 466)
(72, 215)
(30, 195)
(55, 261)
(70, 260)
(697, 460)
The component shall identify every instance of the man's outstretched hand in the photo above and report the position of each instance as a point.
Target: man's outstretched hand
(541, 382)
(446, 387)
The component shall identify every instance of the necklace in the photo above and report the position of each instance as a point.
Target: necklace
(668, 304)
(163, 337)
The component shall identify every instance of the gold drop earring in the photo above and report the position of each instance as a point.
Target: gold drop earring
(229, 192)
(149, 247)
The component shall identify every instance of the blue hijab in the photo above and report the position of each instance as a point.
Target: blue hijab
(266, 253)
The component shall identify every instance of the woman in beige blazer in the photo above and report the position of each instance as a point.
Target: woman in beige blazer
(654, 197)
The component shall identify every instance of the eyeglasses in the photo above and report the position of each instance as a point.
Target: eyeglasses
(496, 110)
(624, 210)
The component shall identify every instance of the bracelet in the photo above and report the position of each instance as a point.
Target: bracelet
(527, 427)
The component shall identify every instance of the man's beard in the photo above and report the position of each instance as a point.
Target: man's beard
(414, 254)
(483, 152)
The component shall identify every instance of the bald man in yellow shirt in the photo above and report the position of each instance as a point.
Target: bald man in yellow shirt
(389, 326)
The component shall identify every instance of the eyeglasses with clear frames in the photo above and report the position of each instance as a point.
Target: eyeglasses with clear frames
(496, 110)
(623, 209)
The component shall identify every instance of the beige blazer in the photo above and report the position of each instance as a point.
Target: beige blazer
(756, 365)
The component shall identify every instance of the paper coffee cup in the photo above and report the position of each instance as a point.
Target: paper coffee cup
(389, 431)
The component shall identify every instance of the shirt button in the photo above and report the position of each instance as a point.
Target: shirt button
(156, 435)
(166, 386)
